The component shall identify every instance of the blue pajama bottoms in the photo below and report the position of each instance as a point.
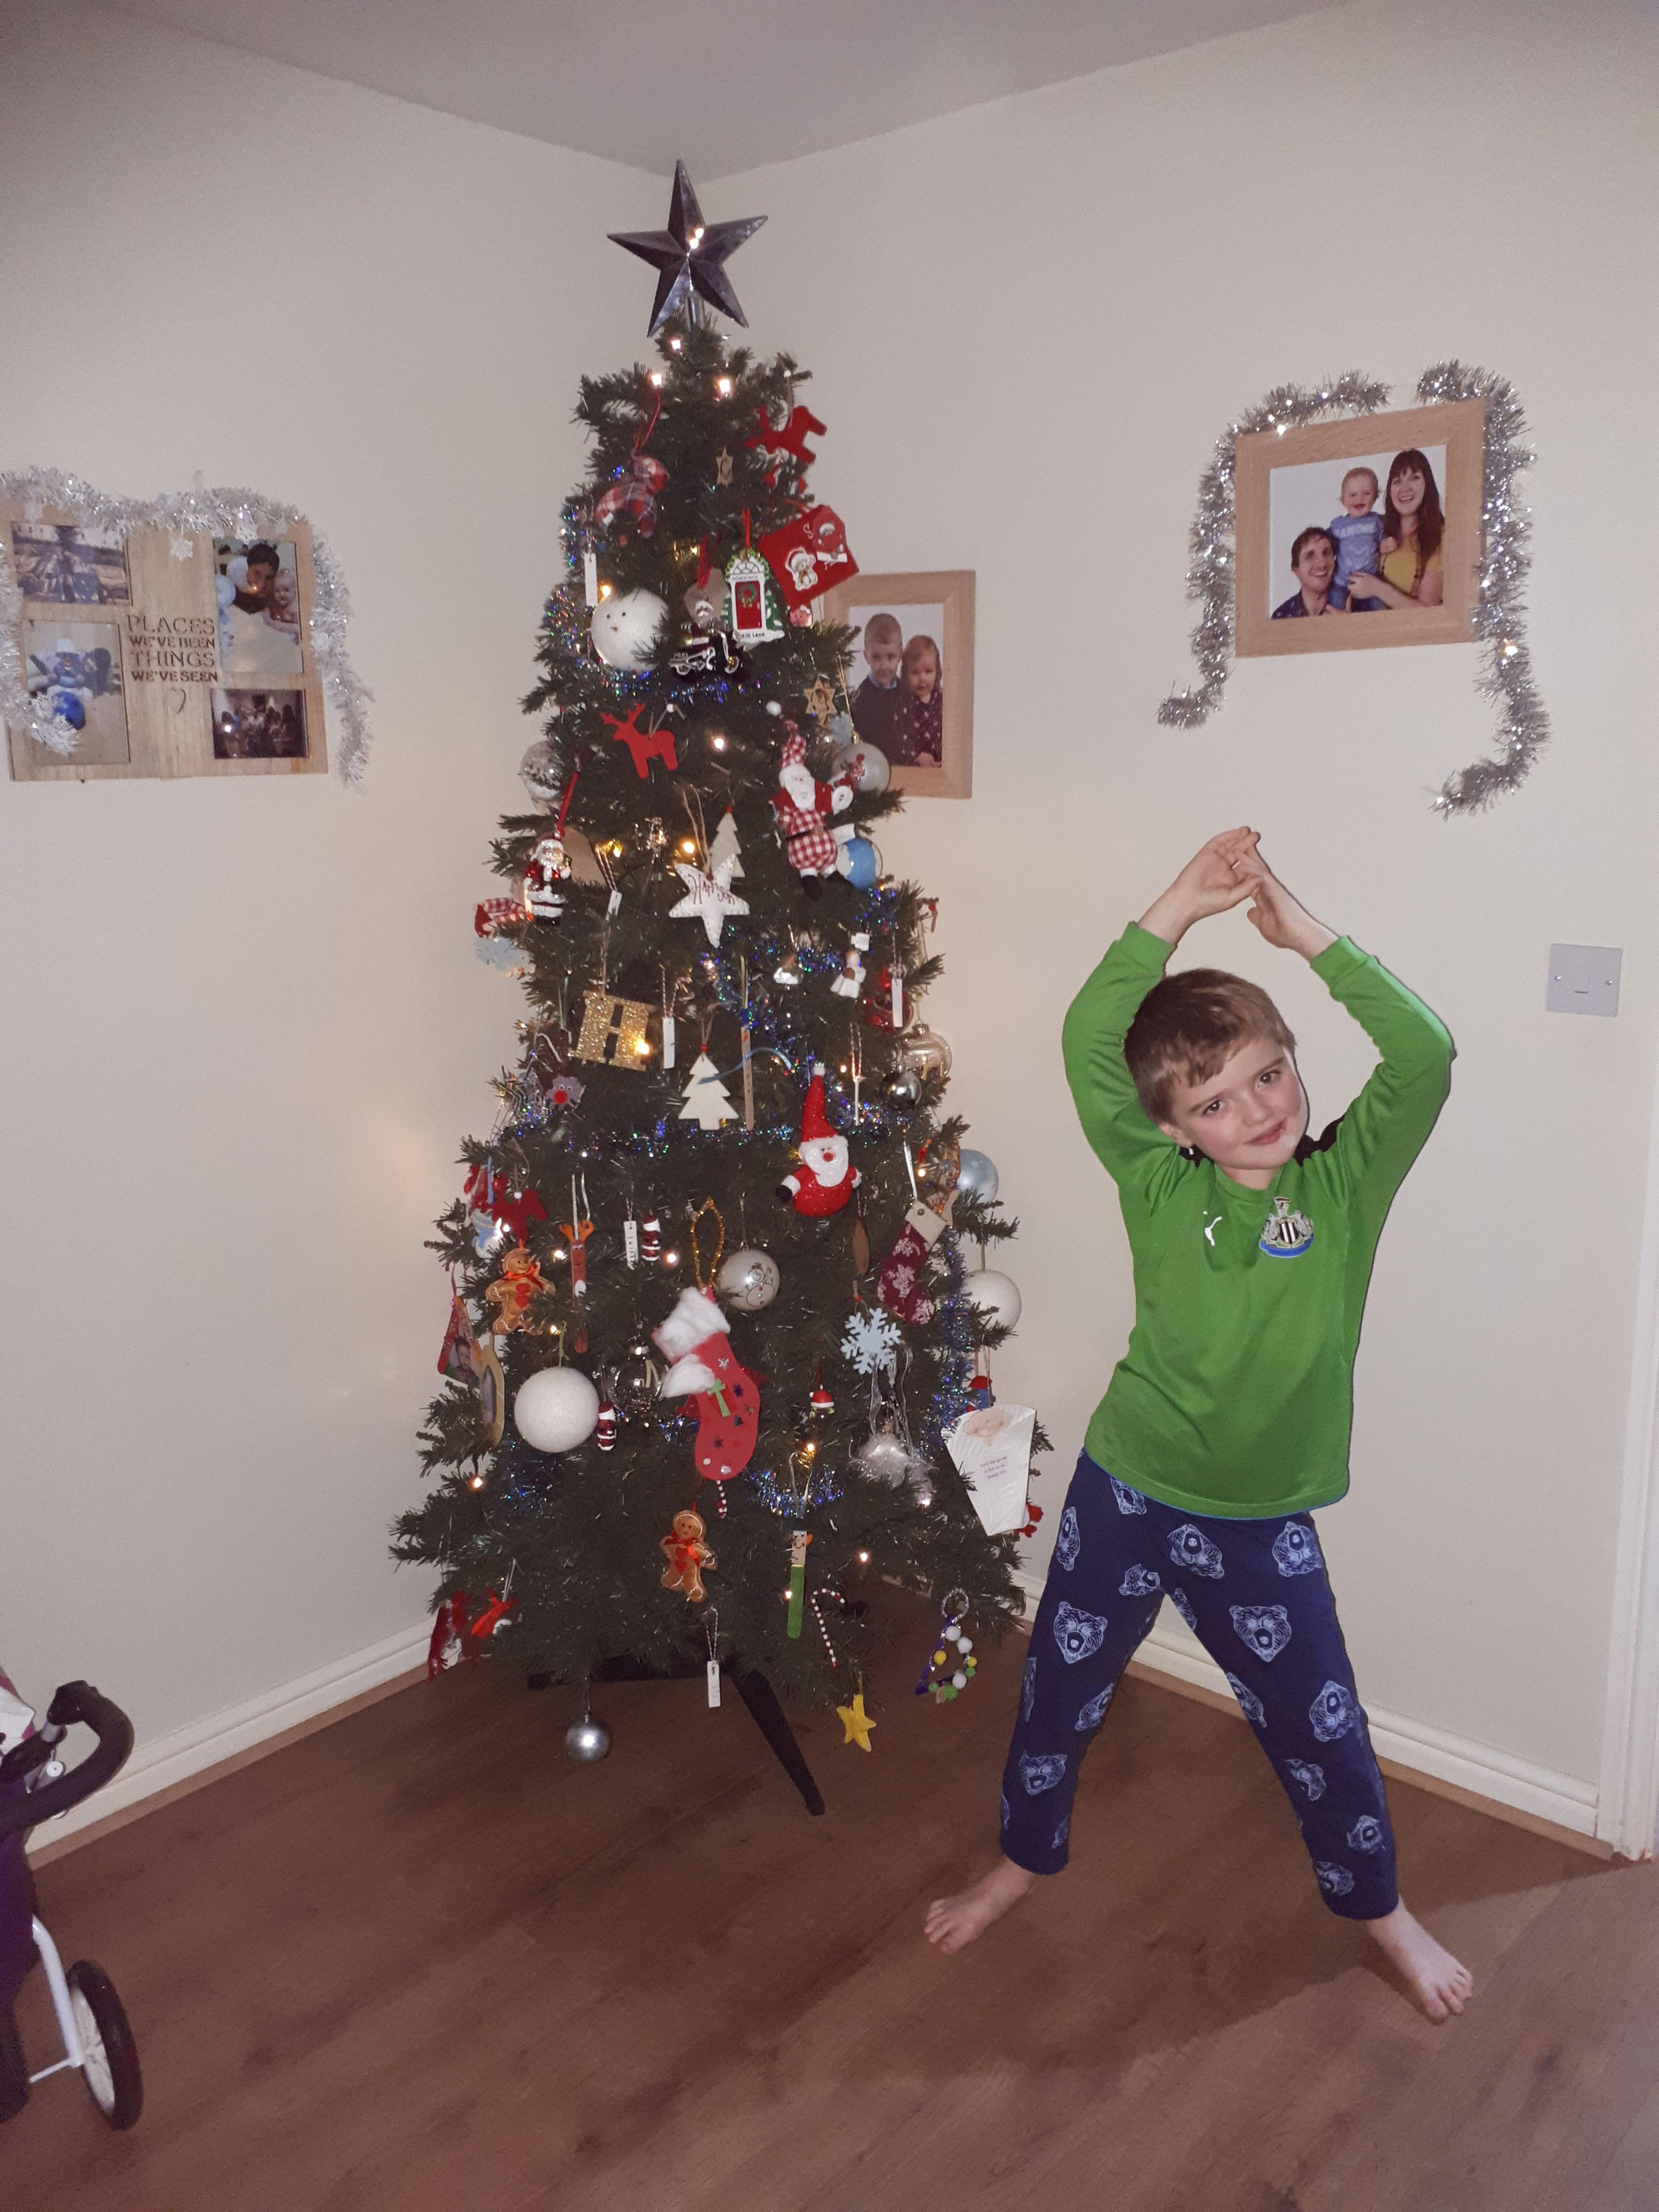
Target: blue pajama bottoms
(1255, 1595)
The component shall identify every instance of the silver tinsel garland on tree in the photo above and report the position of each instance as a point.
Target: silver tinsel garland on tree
(200, 511)
(1500, 611)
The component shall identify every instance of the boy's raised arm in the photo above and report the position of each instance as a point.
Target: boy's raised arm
(1125, 1142)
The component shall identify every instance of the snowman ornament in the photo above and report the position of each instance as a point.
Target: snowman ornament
(826, 1179)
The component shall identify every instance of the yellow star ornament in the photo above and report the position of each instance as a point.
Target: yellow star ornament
(856, 1722)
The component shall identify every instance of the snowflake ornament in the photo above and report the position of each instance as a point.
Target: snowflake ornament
(871, 1341)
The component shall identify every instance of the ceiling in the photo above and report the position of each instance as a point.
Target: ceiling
(729, 84)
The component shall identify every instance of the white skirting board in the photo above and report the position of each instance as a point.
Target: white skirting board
(166, 1761)
(1173, 1649)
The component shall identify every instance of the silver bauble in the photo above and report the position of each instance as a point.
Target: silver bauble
(865, 765)
(924, 1050)
(625, 629)
(976, 1176)
(886, 1457)
(902, 1090)
(636, 1380)
(749, 1280)
(586, 1740)
(542, 772)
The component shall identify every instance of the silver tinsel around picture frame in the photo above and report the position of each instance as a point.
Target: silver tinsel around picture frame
(1496, 615)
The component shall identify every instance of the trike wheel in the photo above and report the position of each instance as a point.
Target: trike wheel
(111, 2068)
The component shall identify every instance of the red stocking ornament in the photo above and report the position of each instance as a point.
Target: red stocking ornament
(726, 1397)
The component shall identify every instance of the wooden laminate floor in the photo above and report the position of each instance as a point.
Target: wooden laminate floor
(419, 1963)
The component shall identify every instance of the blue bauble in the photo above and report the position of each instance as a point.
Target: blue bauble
(69, 706)
(860, 863)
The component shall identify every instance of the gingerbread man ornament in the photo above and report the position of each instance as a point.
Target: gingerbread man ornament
(687, 1555)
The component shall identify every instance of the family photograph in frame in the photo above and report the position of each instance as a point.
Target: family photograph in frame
(1360, 532)
(910, 675)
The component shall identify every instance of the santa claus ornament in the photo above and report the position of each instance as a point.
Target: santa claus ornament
(803, 807)
(826, 1179)
(808, 554)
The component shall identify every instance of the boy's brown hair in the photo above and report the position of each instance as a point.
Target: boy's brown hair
(883, 629)
(1189, 1025)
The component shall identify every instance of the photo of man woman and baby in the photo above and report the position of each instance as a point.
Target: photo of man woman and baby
(898, 701)
(1379, 552)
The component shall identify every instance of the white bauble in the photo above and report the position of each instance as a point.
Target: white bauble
(625, 628)
(996, 1296)
(749, 1280)
(867, 766)
(555, 1409)
(976, 1176)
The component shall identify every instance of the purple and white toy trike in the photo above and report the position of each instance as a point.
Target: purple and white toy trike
(35, 1786)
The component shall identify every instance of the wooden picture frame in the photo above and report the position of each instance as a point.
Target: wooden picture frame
(1291, 486)
(935, 599)
(126, 636)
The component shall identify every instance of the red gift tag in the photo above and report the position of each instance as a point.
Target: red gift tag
(809, 555)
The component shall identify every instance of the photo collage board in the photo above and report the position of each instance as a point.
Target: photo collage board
(168, 653)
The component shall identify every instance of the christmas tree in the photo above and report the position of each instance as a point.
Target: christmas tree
(711, 1261)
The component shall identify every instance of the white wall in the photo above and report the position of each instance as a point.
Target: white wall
(244, 1027)
(1028, 325)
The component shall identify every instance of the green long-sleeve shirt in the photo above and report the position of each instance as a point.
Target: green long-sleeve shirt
(1235, 1395)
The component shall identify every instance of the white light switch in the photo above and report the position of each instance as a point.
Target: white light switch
(1583, 979)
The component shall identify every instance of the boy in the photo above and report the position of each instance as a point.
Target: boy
(1227, 1420)
(1359, 536)
(875, 701)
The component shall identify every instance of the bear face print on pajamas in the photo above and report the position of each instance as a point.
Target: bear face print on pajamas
(1265, 1629)
(1069, 1542)
(1041, 1771)
(1183, 1606)
(1296, 1549)
(1334, 1880)
(1367, 1834)
(1333, 1712)
(1128, 1501)
(1079, 1635)
(1249, 1705)
(1309, 1774)
(1095, 1711)
(1139, 1582)
(1191, 1548)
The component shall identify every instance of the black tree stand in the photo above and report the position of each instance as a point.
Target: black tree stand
(753, 1687)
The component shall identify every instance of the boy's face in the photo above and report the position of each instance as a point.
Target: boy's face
(1359, 492)
(1248, 1118)
(924, 675)
(881, 658)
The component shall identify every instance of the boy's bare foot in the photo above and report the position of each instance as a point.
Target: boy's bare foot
(1439, 1985)
(954, 1921)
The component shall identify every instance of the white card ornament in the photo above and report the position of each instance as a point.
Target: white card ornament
(992, 1450)
(708, 898)
(706, 1100)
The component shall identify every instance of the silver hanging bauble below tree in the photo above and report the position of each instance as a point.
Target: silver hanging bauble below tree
(924, 1050)
(586, 1740)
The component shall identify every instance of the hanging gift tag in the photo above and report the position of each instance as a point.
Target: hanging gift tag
(711, 1636)
(714, 1684)
(631, 1241)
(590, 579)
(748, 1081)
(668, 1041)
(897, 978)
